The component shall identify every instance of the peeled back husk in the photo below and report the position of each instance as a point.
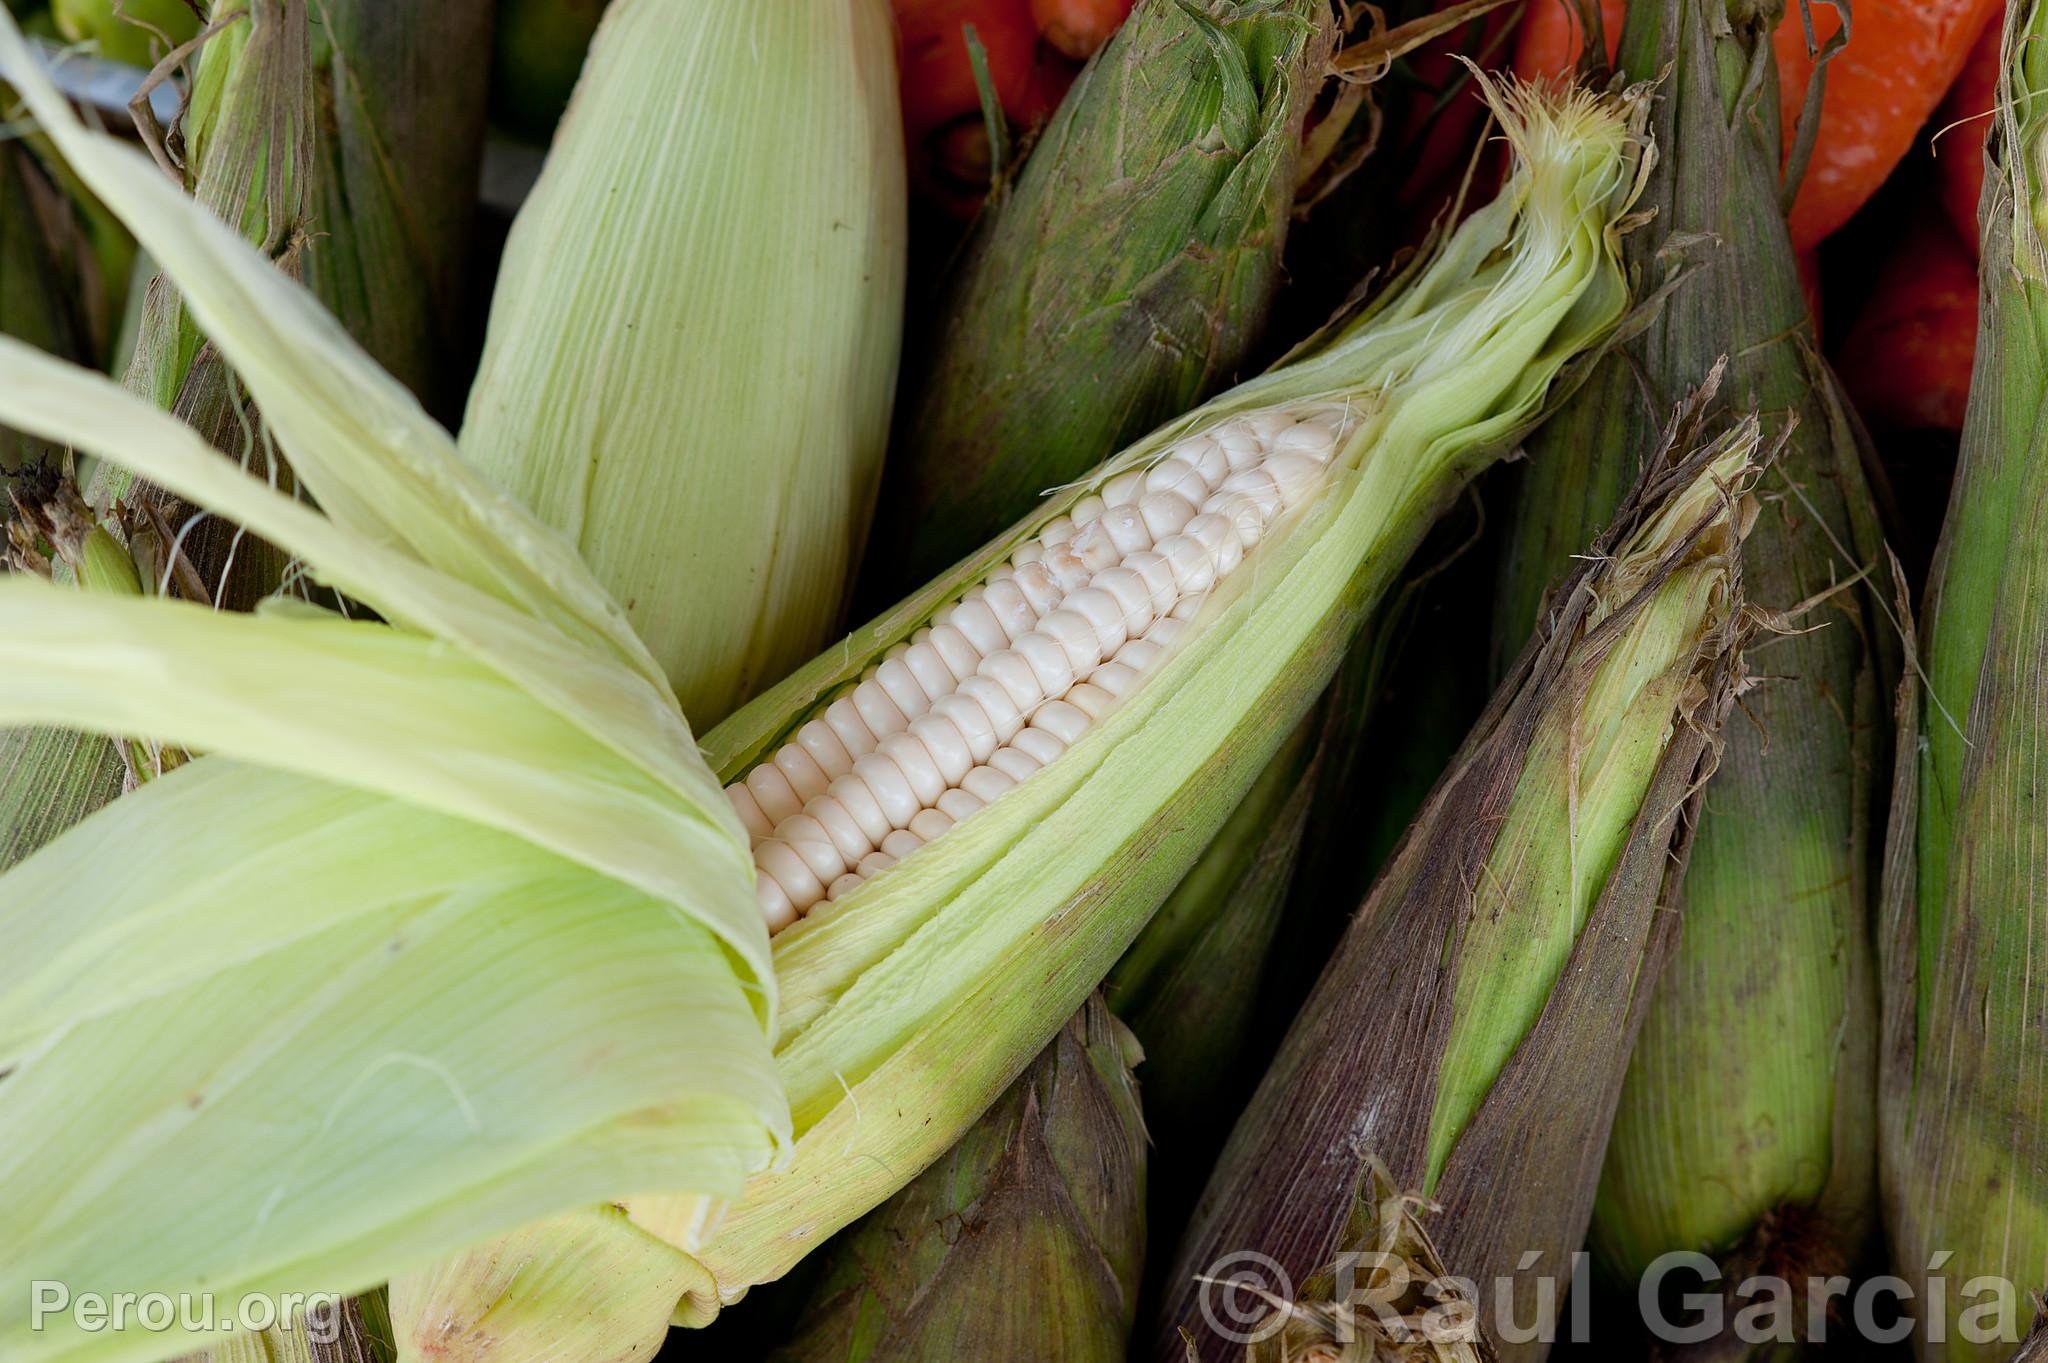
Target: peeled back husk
(1961, 945)
(281, 1015)
(1465, 1044)
(340, 161)
(692, 345)
(911, 1003)
(1023, 1240)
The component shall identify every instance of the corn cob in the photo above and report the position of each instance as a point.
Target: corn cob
(1141, 241)
(1192, 191)
(914, 999)
(1746, 1125)
(1467, 1039)
(717, 275)
(499, 774)
(1044, 1194)
(1965, 1201)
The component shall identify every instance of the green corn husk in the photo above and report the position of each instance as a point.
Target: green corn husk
(913, 1004)
(1044, 1196)
(139, 33)
(508, 871)
(398, 150)
(390, 198)
(712, 265)
(1961, 948)
(1467, 1039)
(1189, 984)
(245, 151)
(1124, 278)
(1746, 1126)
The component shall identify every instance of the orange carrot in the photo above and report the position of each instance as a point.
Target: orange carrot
(1436, 144)
(1961, 125)
(1901, 57)
(1078, 27)
(1907, 360)
(1552, 36)
(943, 127)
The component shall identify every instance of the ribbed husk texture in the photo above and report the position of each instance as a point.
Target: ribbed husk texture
(1023, 1241)
(1466, 1041)
(508, 870)
(692, 346)
(1122, 279)
(320, 132)
(1962, 943)
(1748, 1110)
(909, 1005)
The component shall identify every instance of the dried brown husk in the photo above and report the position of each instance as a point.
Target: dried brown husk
(1749, 1107)
(1350, 1108)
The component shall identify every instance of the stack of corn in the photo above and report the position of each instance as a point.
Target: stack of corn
(1746, 1126)
(1965, 1195)
(1066, 718)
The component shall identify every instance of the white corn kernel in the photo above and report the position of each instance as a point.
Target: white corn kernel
(757, 824)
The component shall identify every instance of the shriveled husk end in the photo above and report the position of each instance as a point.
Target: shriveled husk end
(1961, 944)
(1750, 1102)
(1391, 1298)
(1122, 279)
(1484, 999)
(912, 1003)
(692, 346)
(1051, 1180)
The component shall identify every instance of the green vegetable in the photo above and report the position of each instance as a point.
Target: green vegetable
(1745, 1127)
(1961, 944)
(1124, 278)
(1466, 1040)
